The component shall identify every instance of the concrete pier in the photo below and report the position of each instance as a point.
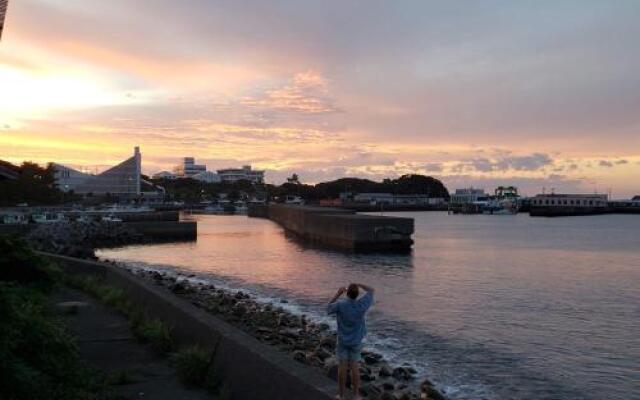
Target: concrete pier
(341, 228)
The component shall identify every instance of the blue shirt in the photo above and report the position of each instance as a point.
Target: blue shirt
(350, 314)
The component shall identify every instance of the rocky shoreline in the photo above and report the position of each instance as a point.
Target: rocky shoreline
(80, 239)
(307, 342)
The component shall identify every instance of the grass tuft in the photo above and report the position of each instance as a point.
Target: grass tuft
(192, 364)
(156, 333)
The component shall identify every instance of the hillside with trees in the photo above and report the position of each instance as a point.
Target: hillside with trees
(191, 190)
(35, 185)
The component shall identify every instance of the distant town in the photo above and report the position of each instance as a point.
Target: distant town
(191, 187)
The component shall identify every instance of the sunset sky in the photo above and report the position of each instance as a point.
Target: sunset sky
(532, 93)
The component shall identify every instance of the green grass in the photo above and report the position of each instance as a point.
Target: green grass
(193, 364)
(154, 332)
(38, 356)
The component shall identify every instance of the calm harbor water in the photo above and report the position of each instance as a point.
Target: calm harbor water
(495, 307)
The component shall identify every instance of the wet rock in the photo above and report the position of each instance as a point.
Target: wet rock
(371, 358)
(290, 333)
(402, 373)
(179, 288)
(370, 391)
(328, 341)
(385, 371)
(299, 356)
(331, 367)
(239, 310)
(388, 386)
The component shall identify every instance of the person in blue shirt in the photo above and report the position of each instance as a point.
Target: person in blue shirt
(352, 328)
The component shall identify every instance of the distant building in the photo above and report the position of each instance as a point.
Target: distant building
(188, 168)
(394, 199)
(8, 173)
(636, 199)
(122, 180)
(3, 12)
(164, 175)
(207, 176)
(468, 196)
(238, 174)
(568, 204)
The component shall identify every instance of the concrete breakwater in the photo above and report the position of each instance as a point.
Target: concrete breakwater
(341, 228)
(282, 354)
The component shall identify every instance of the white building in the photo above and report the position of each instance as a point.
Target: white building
(207, 176)
(164, 175)
(570, 200)
(238, 174)
(122, 180)
(188, 168)
(468, 196)
(393, 199)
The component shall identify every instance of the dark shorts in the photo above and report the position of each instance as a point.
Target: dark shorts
(349, 353)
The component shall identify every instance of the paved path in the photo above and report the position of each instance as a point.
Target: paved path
(106, 342)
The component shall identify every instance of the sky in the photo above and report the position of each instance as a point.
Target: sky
(538, 94)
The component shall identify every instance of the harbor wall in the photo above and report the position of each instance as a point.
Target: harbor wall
(166, 230)
(251, 369)
(562, 211)
(344, 229)
(155, 230)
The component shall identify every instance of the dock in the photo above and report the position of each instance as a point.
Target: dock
(341, 228)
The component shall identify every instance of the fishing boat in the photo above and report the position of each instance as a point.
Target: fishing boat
(14, 219)
(48, 218)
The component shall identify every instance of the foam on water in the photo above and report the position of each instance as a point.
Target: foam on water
(389, 347)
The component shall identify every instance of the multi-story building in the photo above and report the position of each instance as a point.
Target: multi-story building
(244, 173)
(188, 168)
(207, 176)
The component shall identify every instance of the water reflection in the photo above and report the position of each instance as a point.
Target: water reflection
(495, 307)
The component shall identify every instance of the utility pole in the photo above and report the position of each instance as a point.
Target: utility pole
(3, 13)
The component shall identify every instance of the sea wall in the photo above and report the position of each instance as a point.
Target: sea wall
(252, 369)
(166, 230)
(344, 229)
(154, 230)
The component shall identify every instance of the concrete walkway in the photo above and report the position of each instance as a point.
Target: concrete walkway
(105, 341)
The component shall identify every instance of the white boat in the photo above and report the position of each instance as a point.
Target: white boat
(111, 218)
(296, 200)
(117, 208)
(500, 207)
(241, 207)
(48, 218)
(214, 209)
(14, 219)
(84, 219)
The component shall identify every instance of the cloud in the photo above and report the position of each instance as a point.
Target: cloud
(605, 163)
(532, 162)
(307, 93)
(433, 167)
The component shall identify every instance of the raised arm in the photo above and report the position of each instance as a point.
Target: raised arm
(366, 288)
(338, 294)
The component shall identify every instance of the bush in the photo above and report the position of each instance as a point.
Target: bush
(154, 332)
(39, 357)
(192, 364)
(20, 264)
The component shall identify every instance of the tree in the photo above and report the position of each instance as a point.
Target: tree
(294, 179)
